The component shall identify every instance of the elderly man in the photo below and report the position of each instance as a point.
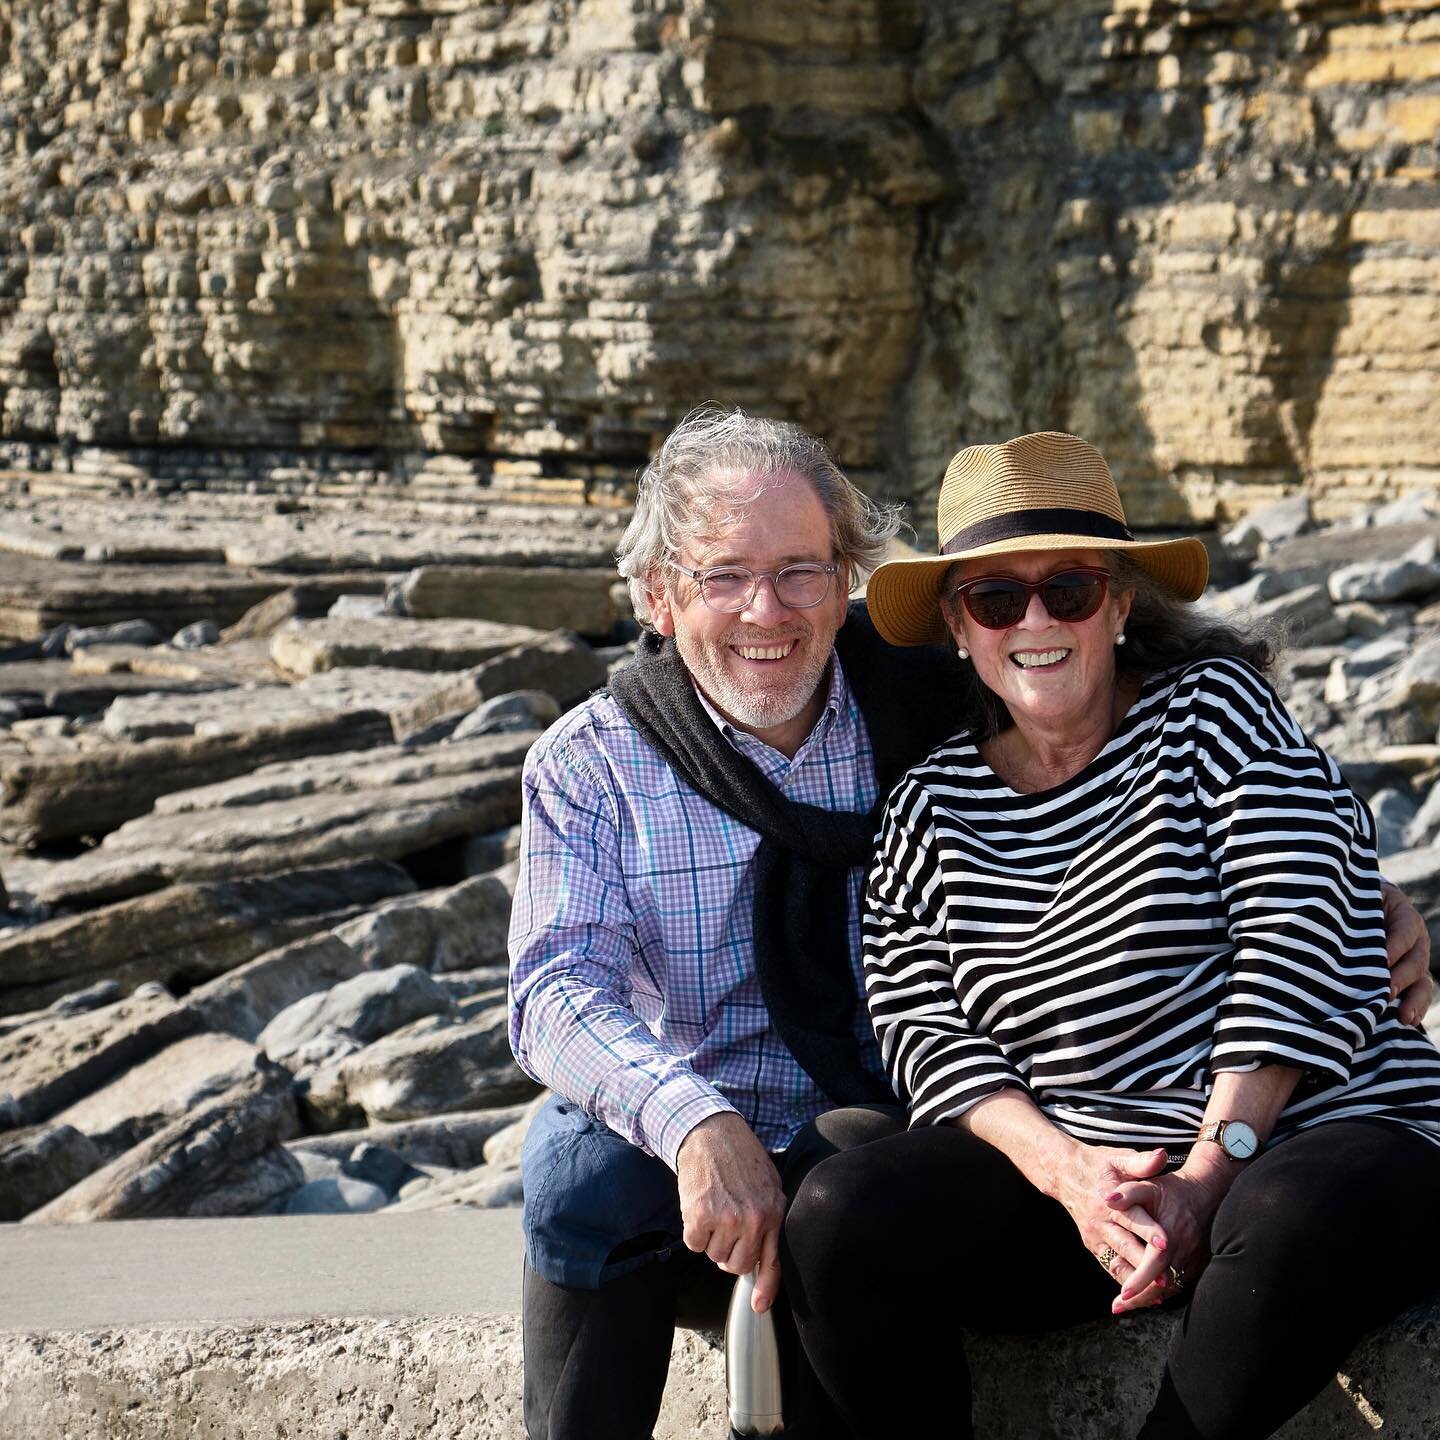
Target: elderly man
(685, 957)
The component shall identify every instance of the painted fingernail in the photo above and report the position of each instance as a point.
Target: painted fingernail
(1160, 1242)
(1114, 1199)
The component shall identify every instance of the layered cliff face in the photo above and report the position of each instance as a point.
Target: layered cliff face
(533, 234)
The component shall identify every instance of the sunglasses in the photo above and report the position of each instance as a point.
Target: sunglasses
(1000, 601)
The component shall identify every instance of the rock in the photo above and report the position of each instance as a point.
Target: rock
(302, 602)
(52, 1062)
(489, 852)
(1385, 581)
(1367, 621)
(360, 1010)
(189, 1165)
(40, 1162)
(379, 1165)
(130, 632)
(1269, 525)
(453, 1141)
(331, 812)
(148, 1096)
(261, 1186)
(357, 607)
(1417, 682)
(1425, 826)
(522, 710)
(337, 1195)
(92, 997)
(430, 1069)
(559, 664)
(56, 798)
(1305, 615)
(245, 1000)
(489, 1187)
(196, 636)
(304, 647)
(1394, 811)
(548, 597)
(186, 934)
(1415, 508)
(504, 1146)
(58, 687)
(1417, 873)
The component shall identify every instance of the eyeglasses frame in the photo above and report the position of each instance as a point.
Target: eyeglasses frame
(832, 569)
(1033, 588)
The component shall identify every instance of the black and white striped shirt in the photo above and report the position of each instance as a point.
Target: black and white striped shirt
(1202, 896)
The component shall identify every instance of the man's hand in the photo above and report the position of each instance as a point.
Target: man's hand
(731, 1201)
(1407, 947)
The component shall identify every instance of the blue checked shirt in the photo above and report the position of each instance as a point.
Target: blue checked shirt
(632, 983)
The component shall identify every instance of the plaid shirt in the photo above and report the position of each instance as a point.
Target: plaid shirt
(633, 989)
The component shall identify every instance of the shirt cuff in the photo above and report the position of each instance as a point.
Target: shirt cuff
(674, 1109)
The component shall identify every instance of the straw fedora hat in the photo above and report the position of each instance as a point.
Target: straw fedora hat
(1047, 491)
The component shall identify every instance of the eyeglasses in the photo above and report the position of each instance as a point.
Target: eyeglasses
(1000, 601)
(729, 588)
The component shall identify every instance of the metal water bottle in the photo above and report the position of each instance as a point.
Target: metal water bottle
(752, 1366)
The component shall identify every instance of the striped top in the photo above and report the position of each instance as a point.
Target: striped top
(1203, 896)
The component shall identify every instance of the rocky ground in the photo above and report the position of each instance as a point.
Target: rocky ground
(260, 774)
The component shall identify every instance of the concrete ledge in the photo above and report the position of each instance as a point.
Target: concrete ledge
(393, 1327)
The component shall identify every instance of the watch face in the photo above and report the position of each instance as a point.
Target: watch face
(1239, 1141)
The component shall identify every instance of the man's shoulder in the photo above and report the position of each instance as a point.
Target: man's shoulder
(594, 727)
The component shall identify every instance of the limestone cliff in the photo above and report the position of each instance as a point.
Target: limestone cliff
(244, 236)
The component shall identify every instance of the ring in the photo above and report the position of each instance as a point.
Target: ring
(1107, 1258)
(1177, 1278)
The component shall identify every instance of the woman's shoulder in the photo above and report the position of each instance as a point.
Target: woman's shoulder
(952, 768)
(1227, 705)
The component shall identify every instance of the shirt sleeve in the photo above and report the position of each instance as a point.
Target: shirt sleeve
(1294, 853)
(935, 1059)
(572, 946)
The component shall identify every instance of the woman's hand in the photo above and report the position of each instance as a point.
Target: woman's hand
(1134, 1233)
(1183, 1204)
(1407, 948)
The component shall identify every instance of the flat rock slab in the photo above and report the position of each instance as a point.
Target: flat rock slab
(549, 596)
(59, 687)
(304, 647)
(187, 933)
(62, 796)
(36, 594)
(253, 705)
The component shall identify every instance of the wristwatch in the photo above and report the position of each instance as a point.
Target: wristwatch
(1234, 1137)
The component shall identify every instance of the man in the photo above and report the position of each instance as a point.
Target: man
(685, 940)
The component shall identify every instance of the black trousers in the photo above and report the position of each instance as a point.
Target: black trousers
(596, 1360)
(1305, 1261)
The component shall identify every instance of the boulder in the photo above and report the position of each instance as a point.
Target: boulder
(1385, 581)
(304, 647)
(188, 933)
(260, 1186)
(38, 1163)
(336, 1195)
(559, 664)
(1394, 812)
(380, 1165)
(196, 636)
(504, 1146)
(359, 1010)
(1268, 525)
(54, 1061)
(550, 597)
(60, 687)
(186, 1167)
(128, 632)
(505, 714)
(490, 1187)
(60, 797)
(157, 1091)
(1305, 615)
(429, 1069)
(1424, 827)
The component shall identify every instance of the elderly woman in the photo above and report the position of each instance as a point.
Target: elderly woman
(1125, 959)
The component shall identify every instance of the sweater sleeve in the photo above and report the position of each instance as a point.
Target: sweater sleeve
(935, 1060)
(1294, 853)
(572, 946)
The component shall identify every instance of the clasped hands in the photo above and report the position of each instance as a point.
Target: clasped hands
(1144, 1223)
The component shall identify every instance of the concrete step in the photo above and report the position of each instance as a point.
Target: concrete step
(388, 1327)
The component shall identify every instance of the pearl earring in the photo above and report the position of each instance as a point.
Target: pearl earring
(962, 652)
(1120, 638)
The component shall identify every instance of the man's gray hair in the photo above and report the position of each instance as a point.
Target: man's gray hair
(687, 490)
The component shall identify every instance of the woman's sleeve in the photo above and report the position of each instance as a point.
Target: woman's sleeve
(934, 1059)
(1294, 852)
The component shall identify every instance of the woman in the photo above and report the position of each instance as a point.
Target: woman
(1125, 959)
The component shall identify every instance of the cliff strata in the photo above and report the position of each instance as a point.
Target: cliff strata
(250, 239)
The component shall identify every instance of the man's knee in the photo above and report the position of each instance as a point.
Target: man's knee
(590, 1196)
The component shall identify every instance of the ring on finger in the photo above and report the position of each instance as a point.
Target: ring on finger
(1176, 1277)
(1107, 1258)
